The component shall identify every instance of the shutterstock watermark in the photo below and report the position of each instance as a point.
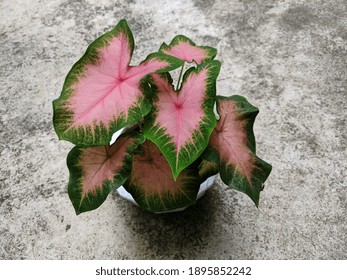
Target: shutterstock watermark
(136, 271)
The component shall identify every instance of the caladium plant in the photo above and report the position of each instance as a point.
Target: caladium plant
(172, 140)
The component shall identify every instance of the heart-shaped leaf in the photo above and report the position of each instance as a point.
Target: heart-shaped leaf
(181, 122)
(232, 147)
(152, 186)
(102, 93)
(184, 49)
(96, 171)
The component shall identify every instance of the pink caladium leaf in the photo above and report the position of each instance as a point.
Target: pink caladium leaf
(184, 49)
(181, 122)
(102, 93)
(96, 171)
(151, 183)
(232, 147)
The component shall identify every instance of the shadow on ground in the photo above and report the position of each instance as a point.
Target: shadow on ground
(174, 235)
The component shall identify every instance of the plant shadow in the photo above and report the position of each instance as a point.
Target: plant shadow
(178, 235)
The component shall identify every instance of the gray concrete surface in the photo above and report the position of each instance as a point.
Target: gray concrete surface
(287, 57)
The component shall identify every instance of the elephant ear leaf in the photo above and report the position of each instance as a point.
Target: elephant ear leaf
(102, 93)
(181, 122)
(152, 186)
(232, 147)
(96, 171)
(184, 49)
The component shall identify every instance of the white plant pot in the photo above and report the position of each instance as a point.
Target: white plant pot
(203, 188)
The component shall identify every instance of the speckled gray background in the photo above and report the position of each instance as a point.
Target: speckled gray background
(287, 57)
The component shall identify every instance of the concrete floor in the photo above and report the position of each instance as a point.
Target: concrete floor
(287, 57)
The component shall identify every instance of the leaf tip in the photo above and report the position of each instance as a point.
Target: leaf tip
(175, 174)
(123, 23)
(256, 202)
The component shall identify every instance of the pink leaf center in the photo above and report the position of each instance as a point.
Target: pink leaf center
(180, 113)
(187, 52)
(100, 164)
(152, 172)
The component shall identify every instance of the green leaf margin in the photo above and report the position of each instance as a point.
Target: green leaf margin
(207, 169)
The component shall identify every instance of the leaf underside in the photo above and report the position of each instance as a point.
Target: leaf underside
(184, 49)
(232, 147)
(102, 93)
(152, 186)
(181, 122)
(96, 171)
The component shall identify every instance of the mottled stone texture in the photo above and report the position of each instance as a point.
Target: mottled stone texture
(287, 57)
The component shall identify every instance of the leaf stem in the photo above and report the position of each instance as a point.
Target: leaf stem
(180, 76)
